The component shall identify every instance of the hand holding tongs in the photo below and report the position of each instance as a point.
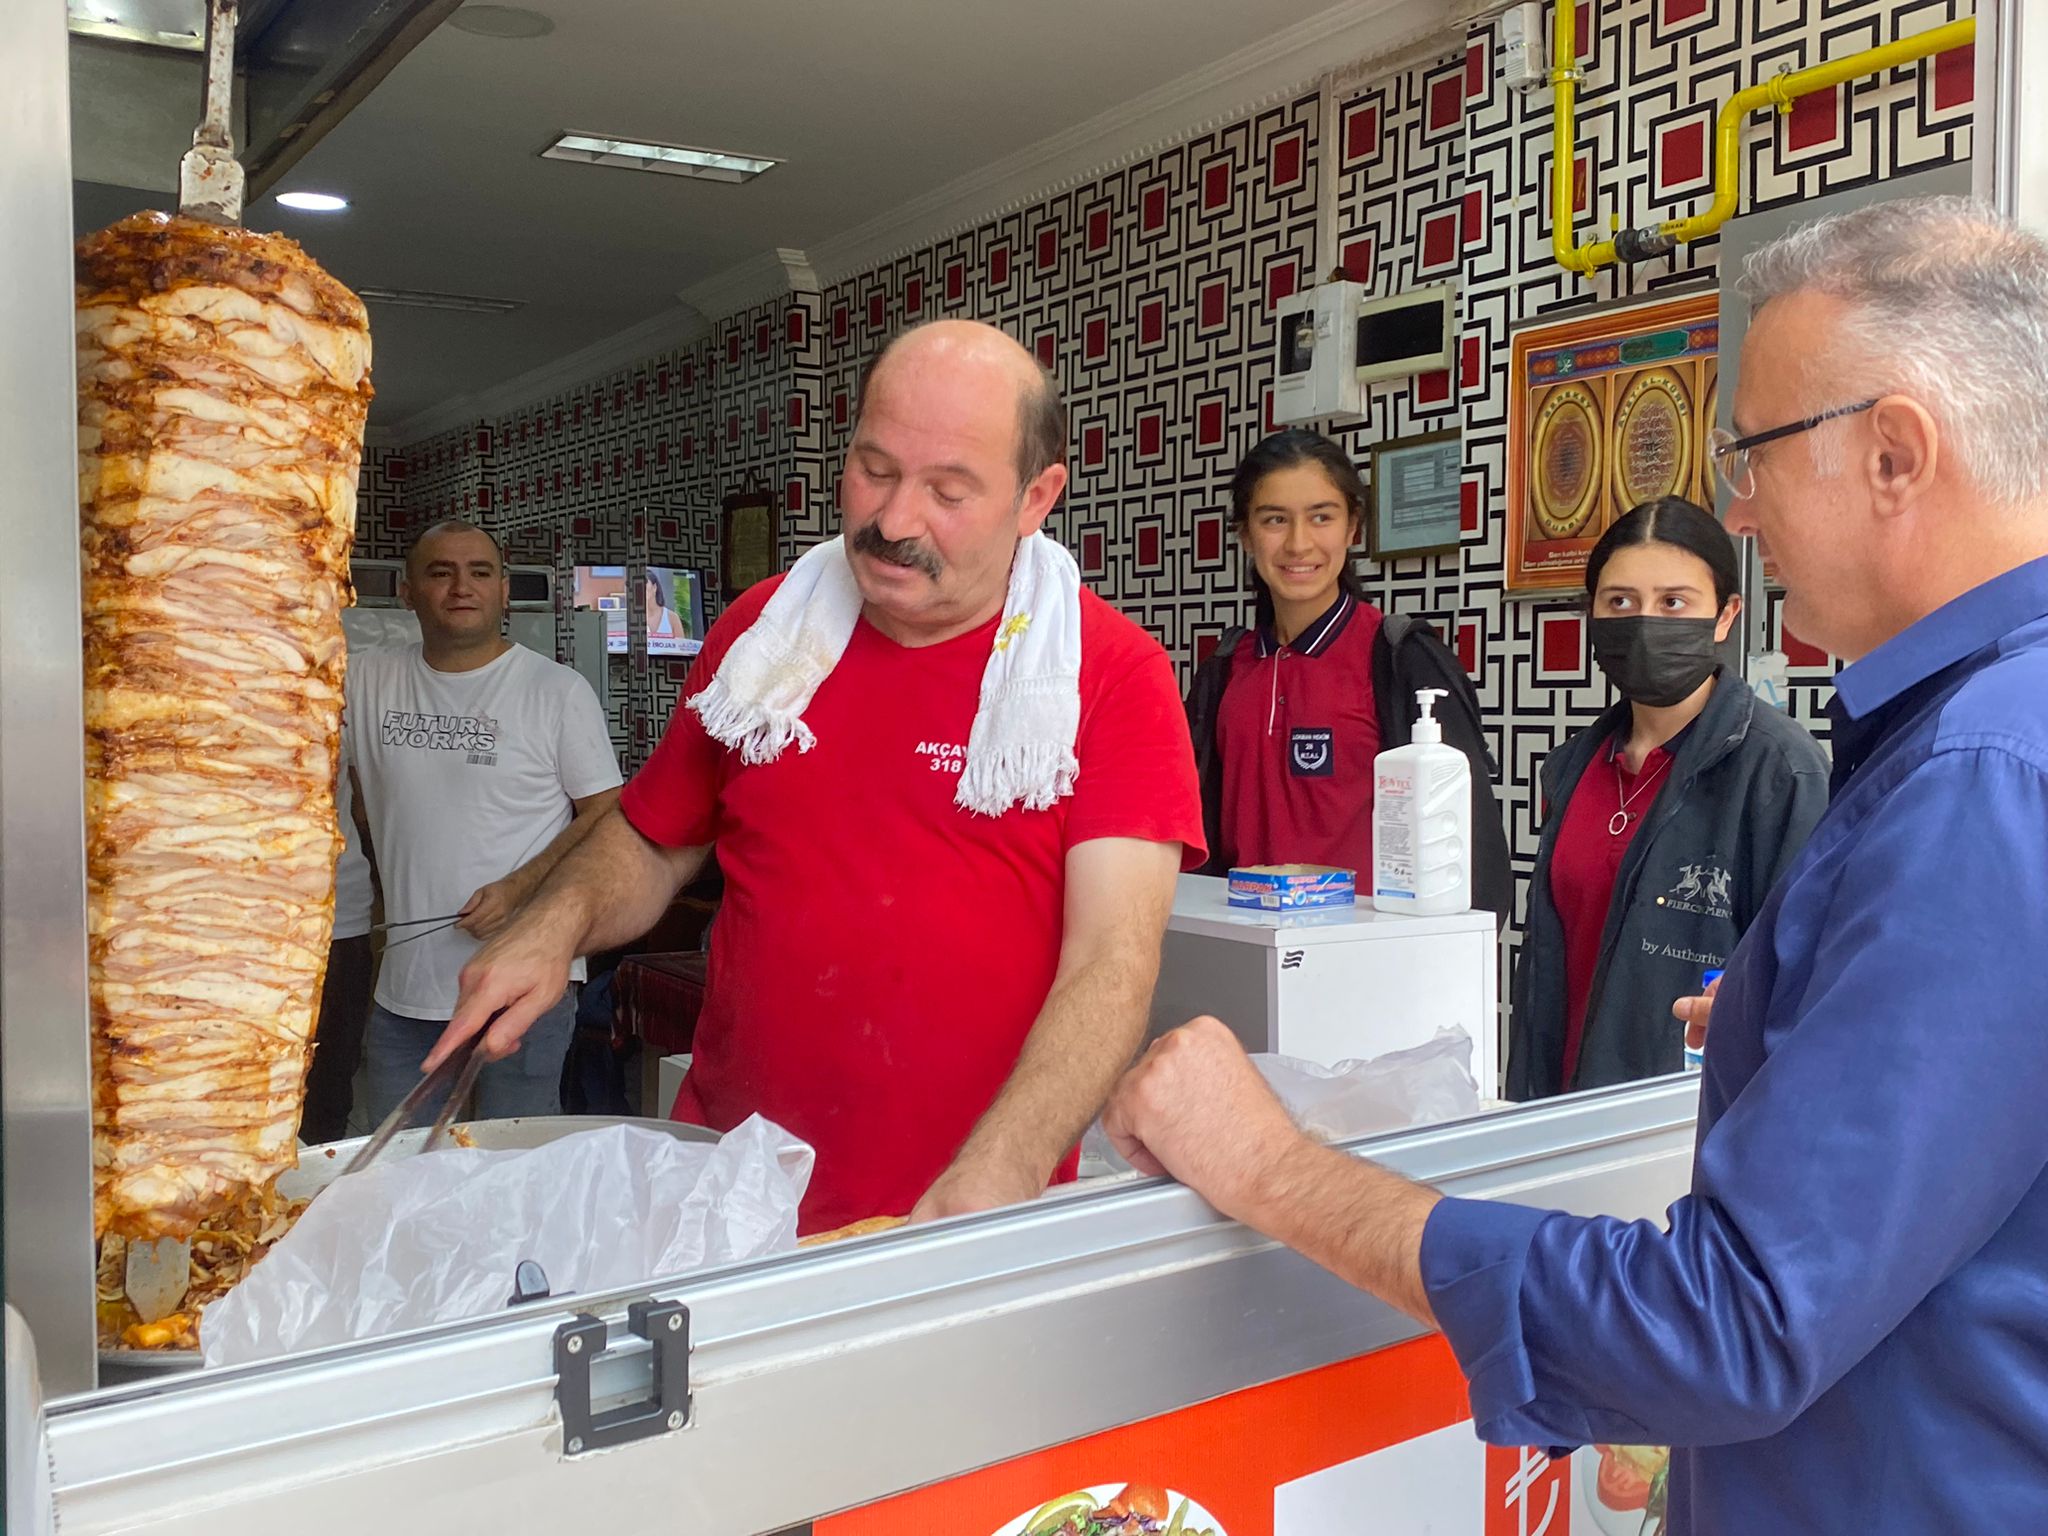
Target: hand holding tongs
(441, 924)
(463, 1064)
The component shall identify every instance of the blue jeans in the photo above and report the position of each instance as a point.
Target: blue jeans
(528, 1082)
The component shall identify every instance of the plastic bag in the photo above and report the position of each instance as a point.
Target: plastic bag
(435, 1239)
(1419, 1086)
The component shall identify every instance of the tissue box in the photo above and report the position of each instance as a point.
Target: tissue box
(1292, 887)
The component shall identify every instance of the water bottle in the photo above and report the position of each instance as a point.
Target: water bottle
(1695, 1059)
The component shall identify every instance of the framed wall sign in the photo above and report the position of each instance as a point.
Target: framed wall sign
(1415, 500)
(747, 540)
(1605, 411)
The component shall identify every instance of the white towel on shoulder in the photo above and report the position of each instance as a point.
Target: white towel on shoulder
(1021, 749)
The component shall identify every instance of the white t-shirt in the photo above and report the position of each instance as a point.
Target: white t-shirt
(354, 896)
(466, 776)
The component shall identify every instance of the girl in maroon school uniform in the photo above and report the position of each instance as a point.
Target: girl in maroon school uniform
(1668, 820)
(1287, 717)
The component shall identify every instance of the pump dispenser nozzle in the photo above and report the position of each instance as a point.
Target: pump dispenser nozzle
(1427, 726)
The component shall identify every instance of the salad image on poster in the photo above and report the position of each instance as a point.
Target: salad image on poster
(1625, 1487)
(1130, 1509)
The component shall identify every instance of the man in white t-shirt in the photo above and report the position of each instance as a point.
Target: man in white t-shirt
(480, 763)
(345, 995)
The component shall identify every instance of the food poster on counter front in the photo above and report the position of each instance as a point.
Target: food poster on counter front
(1381, 1445)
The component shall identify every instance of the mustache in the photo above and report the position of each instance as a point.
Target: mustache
(913, 554)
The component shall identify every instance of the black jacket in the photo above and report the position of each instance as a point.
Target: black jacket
(1746, 787)
(1406, 656)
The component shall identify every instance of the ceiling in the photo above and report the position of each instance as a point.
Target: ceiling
(873, 104)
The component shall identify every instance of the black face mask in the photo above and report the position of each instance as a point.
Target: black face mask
(1658, 662)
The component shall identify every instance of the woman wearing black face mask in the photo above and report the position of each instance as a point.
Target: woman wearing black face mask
(1667, 822)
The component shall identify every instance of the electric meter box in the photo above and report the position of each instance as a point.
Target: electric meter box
(1315, 372)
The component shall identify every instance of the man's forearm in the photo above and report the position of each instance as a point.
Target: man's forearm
(1091, 1026)
(1356, 1219)
(527, 878)
(359, 813)
(610, 886)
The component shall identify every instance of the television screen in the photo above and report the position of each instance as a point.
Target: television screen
(675, 611)
(673, 601)
(1394, 333)
(1406, 333)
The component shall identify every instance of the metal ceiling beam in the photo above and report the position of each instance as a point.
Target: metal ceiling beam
(301, 67)
(312, 65)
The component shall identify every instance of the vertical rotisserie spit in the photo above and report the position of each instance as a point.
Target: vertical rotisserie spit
(223, 385)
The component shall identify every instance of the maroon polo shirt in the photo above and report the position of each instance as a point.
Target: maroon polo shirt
(1585, 863)
(1297, 732)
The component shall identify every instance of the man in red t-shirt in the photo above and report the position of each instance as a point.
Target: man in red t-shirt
(938, 1001)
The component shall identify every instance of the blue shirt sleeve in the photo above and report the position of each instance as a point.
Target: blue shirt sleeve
(1893, 1124)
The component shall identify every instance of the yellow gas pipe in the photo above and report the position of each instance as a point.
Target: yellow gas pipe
(1780, 91)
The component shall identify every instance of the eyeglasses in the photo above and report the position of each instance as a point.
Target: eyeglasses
(1732, 454)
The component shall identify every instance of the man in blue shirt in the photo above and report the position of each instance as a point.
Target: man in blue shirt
(1845, 1326)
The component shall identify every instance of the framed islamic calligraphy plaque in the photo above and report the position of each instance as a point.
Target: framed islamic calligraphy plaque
(1605, 411)
(747, 541)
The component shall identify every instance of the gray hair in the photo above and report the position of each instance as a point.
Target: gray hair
(1948, 303)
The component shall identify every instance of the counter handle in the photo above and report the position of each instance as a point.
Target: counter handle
(582, 1342)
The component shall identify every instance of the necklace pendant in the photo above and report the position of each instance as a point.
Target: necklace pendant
(1617, 823)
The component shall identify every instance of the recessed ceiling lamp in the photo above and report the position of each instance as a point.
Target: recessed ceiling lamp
(501, 21)
(664, 159)
(422, 298)
(313, 202)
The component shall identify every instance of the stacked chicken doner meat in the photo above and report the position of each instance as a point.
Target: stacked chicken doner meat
(223, 382)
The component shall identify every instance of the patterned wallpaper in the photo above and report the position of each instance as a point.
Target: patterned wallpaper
(626, 470)
(1656, 72)
(1149, 291)
(380, 508)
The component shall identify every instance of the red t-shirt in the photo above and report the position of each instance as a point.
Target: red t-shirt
(1297, 732)
(1585, 863)
(881, 954)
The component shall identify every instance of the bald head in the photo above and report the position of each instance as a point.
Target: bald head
(940, 347)
(433, 533)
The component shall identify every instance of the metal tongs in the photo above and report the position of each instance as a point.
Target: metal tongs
(439, 924)
(462, 1066)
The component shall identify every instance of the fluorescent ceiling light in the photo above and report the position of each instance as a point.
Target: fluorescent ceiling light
(313, 202)
(420, 298)
(666, 159)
